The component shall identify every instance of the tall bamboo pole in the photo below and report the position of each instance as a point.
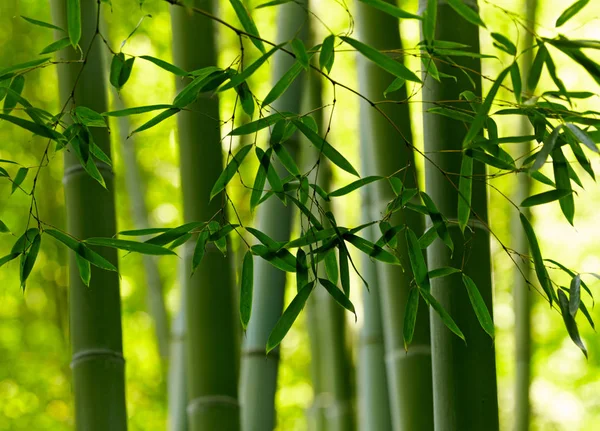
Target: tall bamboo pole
(464, 375)
(95, 311)
(522, 295)
(408, 373)
(212, 335)
(259, 372)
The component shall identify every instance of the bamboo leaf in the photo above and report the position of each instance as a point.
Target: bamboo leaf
(41, 23)
(249, 71)
(301, 269)
(74, 21)
(6, 72)
(417, 261)
(444, 271)
(288, 317)
(143, 232)
(81, 249)
(538, 261)
(481, 310)
(165, 65)
(308, 213)
(427, 238)
(570, 12)
(570, 323)
(563, 181)
(199, 249)
(88, 117)
(331, 266)
(3, 227)
(247, 23)
(24, 241)
(344, 269)
(300, 52)
(283, 84)
(312, 236)
(545, 197)
(391, 9)
(19, 178)
(136, 110)
(467, 12)
(325, 147)
(583, 137)
(272, 176)
(338, 295)
(273, 3)
(56, 46)
(173, 234)
(13, 95)
(371, 249)
(429, 21)
(286, 159)
(259, 180)
(396, 85)
(327, 54)
(281, 259)
(246, 98)
(465, 189)
(355, 185)
(442, 313)
(123, 244)
(482, 113)
(505, 43)
(246, 289)
(515, 76)
(156, 120)
(547, 148)
(217, 235)
(190, 92)
(452, 113)
(575, 295)
(438, 221)
(84, 268)
(490, 160)
(30, 258)
(4, 260)
(36, 129)
(536, 68)
(260, 124)
(410, 316)
(389, 234)
(386, 63)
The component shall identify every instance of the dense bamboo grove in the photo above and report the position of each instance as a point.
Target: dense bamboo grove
(311, 215)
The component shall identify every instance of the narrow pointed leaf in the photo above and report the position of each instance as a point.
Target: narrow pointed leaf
(344, 269)
(515, 76)
(583, 137)
(442, 313)
(84, 268)
(467, 12)
(247, 23)
(465, 189)
(165, 65)
(538, 261)
(56, 46)
(327, 54)
(301, 270)
(30, 258)
(249, 71)
(156, 120)
(417, 261)
(36, 129)
(199, 249)
(247, 281)
(575, 295)
(81, 249)
(19, 178)
(283, 84)
(41, 23)
(136, 110)
(481, 310)
(545, 197)
(371, 249)
(390, 9)
(410, 316)
(570, 12)
(536, 68)
(506, 43)
(331, 266)
(547, 148)
(444, 271)
(338, 295)
(355, 185)
(4, 260)
(570, 323)
(123, 244)
(438, 221)
(563, 181)
(74, 21)
(260, 124)
(13, 95)
(300, 53)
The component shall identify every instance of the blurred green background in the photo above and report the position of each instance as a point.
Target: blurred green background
(35, 387)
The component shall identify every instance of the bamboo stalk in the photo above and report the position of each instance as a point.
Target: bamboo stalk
(212, 335)
(464, 375)
(408, 373)
(259, 372)
(95, 311)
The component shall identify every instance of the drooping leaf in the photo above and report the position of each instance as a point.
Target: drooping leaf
(571, 11)
(344, 269)
(165, 65)
(301, 269)
(6, 72)
(123, 244)
(391, 9)
(429, 21)
(199, 249)
(281, 259)
(331, 266)
(288, 317)
(545, 197)
(338, 295)
(583, 137)
(410, 316)
(327, 54)
(444, 271)
(247, 23)
(29, 258)
(536, 68)
(570, 323)
(300, 52)
(465, 188)
(575, 295)
(156, 120)
(396, 85)
(249, 71)
(482, 113)
(74, 21)
(41, 23)
(273, 3)
(427, 238)
(4, 260)
(136, 110)
(547, 148)
(417, 261)
(441, 312)
(386, 63)
(260, 124)
(81, 249)
(56, 46)
(371, 249)
(88, 117)
(13, 93)
(116, 66)
(467, 12)
(355, 185)
(246, 98)
(19, 178)
(504, 43)
(563, 181)
(452, 113)
(325, 147)
(438, 221)
(389, 234)
(247, 281)
(85, 269)
(283, 84)
(479, 306)
(36, 129)
(286, 159)
(515, 76)
(490, 160)
(24, 241)
(538, 261)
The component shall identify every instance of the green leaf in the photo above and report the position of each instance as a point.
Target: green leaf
(156, 120)
(505, 43)
(538, 261)
(467, 12)
(301, 269)
(410, 317)
(89, 117)
(247, 23)
(81, 249)
(389, 234)
(481, 310)
(386, 63)
(438, 221)
(41, 23)
(390, 9)
(3, 227)
(22, 66)
(570, 12)
(371, 249)
(56, 46)
(84, 268)
(515, 76)
(312, 236)
(260, 124)
(259, 180)
(570, 323)
(12, 97)
(300, 52)
(143, 232)
(446, 319)
(583, 137)
(288, 317)
(24, 241)
(575, 295)
(545, 197)
(483, 112)
(338, 295)
(116, 65)
(355, 185)
(123, 244)
(265, 239)
(396, 85)
(247, 281)
(272, 176)
(465, 188)
(190, 92)
(429, 21)
(452, 113)
(249, 71)
(286, 159)
(308, 213)
(136, 110)
(444, 271)
(4, 260)
(344, 269)
(199, 249)
(29, 258)
(173, 234)
(490, 160)
(19, 178)
(281, 259)
(331, 266)
(165, 65)
(327, 54)
(547, 148)
(74, 21)
(246, 98)
(536, 68)
(417, 261)
(563, 181)
(36, 129)
(273, 3)
(325, 147)
(283, 84)
(126, 71)
(217, 234)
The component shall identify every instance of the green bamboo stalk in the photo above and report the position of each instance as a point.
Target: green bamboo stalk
(95, 311)
(464, 375)
(372, 387)
(212, 335)
(408, 373)
(522, 294)
(136, 191)
(259, 372)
